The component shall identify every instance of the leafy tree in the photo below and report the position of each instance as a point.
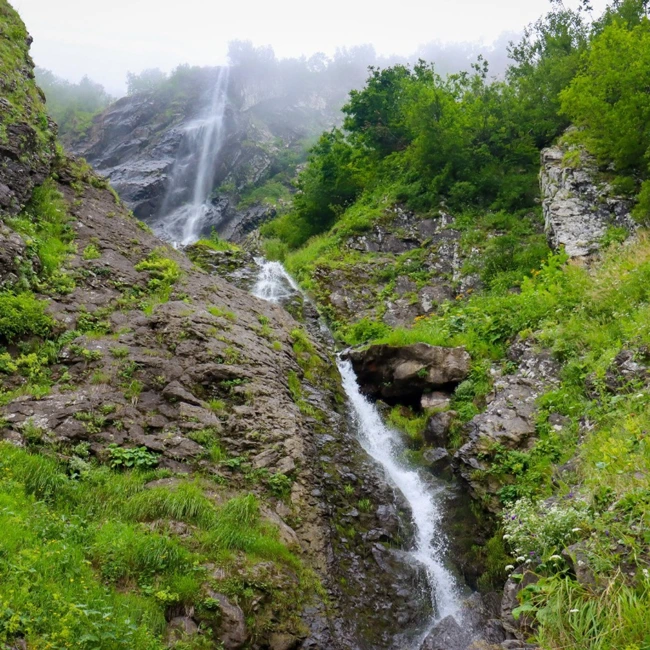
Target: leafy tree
(72, 105)
(148, 79)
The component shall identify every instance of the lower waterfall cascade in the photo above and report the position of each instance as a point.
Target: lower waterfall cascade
(383, 445)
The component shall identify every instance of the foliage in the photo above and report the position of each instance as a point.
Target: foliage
(136, 458)
(72, 105)
(608, 99)
(99, 577)
(21, 315)
(44, 224)
(163, 271)
(538, 531)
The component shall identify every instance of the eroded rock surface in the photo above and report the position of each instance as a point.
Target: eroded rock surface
(407, 371)
(578, 206)
(509, 419)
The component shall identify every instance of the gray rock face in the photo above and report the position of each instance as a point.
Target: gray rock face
(136, 142)
(509, 419)
(578, 208)
(397, 372)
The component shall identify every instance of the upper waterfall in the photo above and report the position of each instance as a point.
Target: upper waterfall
(186, 203)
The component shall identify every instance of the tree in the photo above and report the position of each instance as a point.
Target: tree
(147, 80)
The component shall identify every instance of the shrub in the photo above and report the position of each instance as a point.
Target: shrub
(134, 458)
(21, 315)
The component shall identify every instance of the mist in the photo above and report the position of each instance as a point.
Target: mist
(74, 38)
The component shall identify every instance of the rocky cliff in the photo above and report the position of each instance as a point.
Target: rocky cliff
(185, 440)
(136, 142)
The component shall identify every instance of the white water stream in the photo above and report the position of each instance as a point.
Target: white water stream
(195, 167)
(384, 445)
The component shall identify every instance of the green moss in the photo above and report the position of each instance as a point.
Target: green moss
(24, 103)
(163, 271)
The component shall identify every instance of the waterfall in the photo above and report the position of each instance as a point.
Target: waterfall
(384, 445)
(273, 282)
(186, 205)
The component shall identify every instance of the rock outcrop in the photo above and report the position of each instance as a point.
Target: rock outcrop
(135, 143)
(578, 207)
(509, 420)
(28, 137)
(406, 372)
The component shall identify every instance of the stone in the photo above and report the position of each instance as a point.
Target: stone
(509, 419)
(399, 372)
(437, 458)
(437, 429)
(447, 635)
(435, 400)
(522, 626)
(174, 392)
(190, 414)
(578, 562)
(578, 209)
(232, 627)
(180, 628)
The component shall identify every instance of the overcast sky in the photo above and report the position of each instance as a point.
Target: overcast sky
(105, 38)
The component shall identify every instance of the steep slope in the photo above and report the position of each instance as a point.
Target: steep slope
(173, 450)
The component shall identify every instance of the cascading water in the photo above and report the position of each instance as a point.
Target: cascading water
(182, 214)
(383, 444)
(273, 282)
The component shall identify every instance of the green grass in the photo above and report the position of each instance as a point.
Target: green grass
(45, 226)
(104, 568)
(163, 271)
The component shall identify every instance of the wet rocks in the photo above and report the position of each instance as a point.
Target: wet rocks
(447, 635)
(477, 626)
(437, 429)
(578, 207)
(404, 372)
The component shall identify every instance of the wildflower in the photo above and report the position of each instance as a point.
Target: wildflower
(510, 567)
(555, 558)
(521, 558)
(575, 530)
(573, 611)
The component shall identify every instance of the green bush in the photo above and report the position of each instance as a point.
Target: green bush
(22, 315)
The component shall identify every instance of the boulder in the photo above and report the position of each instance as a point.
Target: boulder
(438, 459)
(438, 425)
(508, 421)
(447, 635)
(401, 372)
(578, 562)
(435, 400)
(232, 627)
(522, 626)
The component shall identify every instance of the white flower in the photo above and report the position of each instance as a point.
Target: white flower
(576, 530)
(573, 611)
(510, 567)
(555, 557)
(521, 558)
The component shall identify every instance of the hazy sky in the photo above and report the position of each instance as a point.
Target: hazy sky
(105, 38)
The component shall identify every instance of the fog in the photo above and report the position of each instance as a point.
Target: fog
(105, 40)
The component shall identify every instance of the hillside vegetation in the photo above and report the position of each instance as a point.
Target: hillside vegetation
(469, 146)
